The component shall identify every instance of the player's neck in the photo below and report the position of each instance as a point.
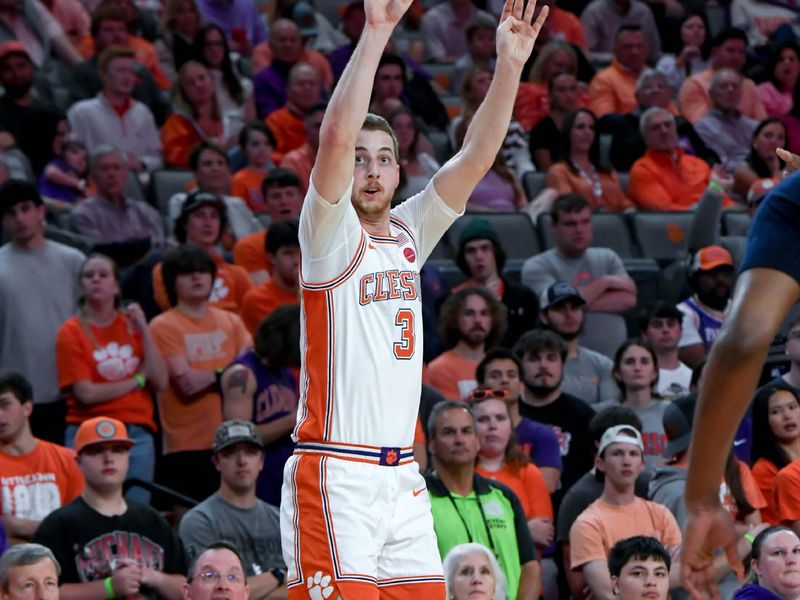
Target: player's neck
(376, 225)
(22, 444)
(458, 479)
(107, 502)
(469, 351)
(240, 499)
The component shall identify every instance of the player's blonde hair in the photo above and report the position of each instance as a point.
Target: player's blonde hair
(375, 122)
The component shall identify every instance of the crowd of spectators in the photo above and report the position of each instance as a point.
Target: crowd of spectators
(150, 331)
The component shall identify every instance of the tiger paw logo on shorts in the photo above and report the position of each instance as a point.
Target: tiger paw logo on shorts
(219, 291)
(116, 362)
(319, 587)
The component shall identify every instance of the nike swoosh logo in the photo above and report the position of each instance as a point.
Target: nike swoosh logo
(738, 442)
(417, 492)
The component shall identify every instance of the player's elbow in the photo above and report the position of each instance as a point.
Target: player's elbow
(334, 137)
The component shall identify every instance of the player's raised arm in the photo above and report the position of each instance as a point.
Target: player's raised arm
(516, 35)
(348, 106)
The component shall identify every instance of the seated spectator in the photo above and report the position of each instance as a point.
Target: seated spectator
(618, 513)
(661, 328)
(453, 485)
(597, 273)
(114, 117)
(283, 198)
(587, 374)
(141, 19)
(480, 31)
(256, 142)
(262, 54)
(234, 513)
(108, 365)
(197, 117)
(727, 50)
(283, 287)
(202, 222)
(109, 28)
(636, 372)
(711, 274)
(543, 354)
(724, 128)
(31, 23)
(602, 19)
(109, 217)
(28, 566)
(417, 167)
(691, 55)
(240, 19)
(260, 386)
(481, 258)
(761, 162)
(471, 321)
(195, 340)
(776, 439)
(205, 573)
(545, 137)
(147, 554)
(316, 29)
(782, 71)
(179, 25)
(212, 173)
(301, 160)
(772, 565)
(303, 93)
(501, 370)
(666, 177)
(471, 570)
(234, 92)
(792, 376)
(639, 567)
(38, 476)
(271, 81)
(563, 25)
(784, 491)
(612, 89)
(443, 29)
(579, 170)
(65, 179)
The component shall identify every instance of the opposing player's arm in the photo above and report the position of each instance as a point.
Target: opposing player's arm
(349, 103)
(516, 35)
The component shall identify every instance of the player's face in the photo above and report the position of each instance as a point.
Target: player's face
(218, 575)
(543, 370)
(283, 203)
(663, 333)
(24, 221)
(479, 256)
(778, 568)
(376, 174)
(193, 287)
(239, 465)
(202, 226)
(639, 579)
(636, 369)
(286, 263)
(493, 426)
(473, 579)
(13, 415)
(503, 373)
(573, 232)
(98, 282)
(475, 320)
(38, 581)
(565, 318)
(621, 463)
(456, 442)
(104, 465)
(784, 416)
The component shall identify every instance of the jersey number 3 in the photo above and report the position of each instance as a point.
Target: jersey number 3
(404, 349)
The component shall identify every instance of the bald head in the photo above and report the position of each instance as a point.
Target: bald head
(304, 88)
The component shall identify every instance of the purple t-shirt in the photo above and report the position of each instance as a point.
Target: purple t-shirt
(235, 15)
(540, 443)
(493, 193)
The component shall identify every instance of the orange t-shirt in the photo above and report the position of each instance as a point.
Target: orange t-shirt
(452, 375)
(564, 181)
(289, 131)
(764, 473)
(529, 486)
(667, 181)
(35, 484)
(250, 252)
(178, 137)
(230, 286)
(118, 355)
(246, 184)
(750, 488)
(300, 161)
(786, 493)
(208, 344)
(567, 25)
(695, 100)
(260, 301)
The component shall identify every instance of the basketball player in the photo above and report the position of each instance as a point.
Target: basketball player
(355, 515)
(767, 288)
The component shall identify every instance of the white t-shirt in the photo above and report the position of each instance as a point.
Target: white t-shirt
(674, 383)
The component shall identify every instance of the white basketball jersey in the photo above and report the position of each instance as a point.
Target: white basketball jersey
(361, 333)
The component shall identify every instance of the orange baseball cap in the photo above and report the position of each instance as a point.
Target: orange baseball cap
(709, 258)
(101, 430)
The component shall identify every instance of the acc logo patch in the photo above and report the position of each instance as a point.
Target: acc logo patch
(410, 255)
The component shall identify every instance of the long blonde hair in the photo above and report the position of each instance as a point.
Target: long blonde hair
(179, 100)
(544, 57)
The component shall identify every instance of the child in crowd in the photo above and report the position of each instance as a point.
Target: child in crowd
(64, 180)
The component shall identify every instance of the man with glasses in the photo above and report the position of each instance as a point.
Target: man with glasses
(217, 572)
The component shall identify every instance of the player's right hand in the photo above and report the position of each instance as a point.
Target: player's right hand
(382, 13)
(126, 580)
(707, 528)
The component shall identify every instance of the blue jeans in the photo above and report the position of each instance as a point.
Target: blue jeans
(142, 458)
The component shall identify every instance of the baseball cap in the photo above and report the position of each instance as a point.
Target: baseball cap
(101, 430)
(677, 420)
(624, 434)
(13, 47)
(234, 431)
(198, 198)
(304, 17)
(759, 189)
(709, 258)
(560, 290)
(478, 229)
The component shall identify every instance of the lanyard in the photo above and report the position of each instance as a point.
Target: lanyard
(483, 518)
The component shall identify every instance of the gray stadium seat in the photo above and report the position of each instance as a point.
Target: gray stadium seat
(735, 222)
(533, 182)
(444, 74)
(133, 188)
(609, 230)
(662, 236)
(515, 230)
(441, 146)
(167, 182)
(735, 245)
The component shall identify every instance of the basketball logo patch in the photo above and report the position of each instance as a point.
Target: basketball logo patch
(410, 255)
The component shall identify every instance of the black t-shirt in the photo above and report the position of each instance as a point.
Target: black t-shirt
(569, 417)
(87, 543)
(545, 135)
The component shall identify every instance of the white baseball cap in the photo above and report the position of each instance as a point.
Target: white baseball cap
(620, 434)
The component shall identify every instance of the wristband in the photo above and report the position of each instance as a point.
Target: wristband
(749, 537)
(279, 575)
(714, 185)
(110, 593)
(140, 380)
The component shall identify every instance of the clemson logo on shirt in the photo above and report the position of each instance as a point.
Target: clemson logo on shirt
(219, 291)
(115, 361)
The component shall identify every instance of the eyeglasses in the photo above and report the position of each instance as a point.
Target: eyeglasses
(485, 393)
(213, 577)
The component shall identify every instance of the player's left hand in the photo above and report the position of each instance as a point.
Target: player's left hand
(518, 30)
(791, 159)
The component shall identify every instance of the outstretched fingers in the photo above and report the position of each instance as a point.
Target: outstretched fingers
(507, 5)
(529, 9)
(537, 25)
(518, 6)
